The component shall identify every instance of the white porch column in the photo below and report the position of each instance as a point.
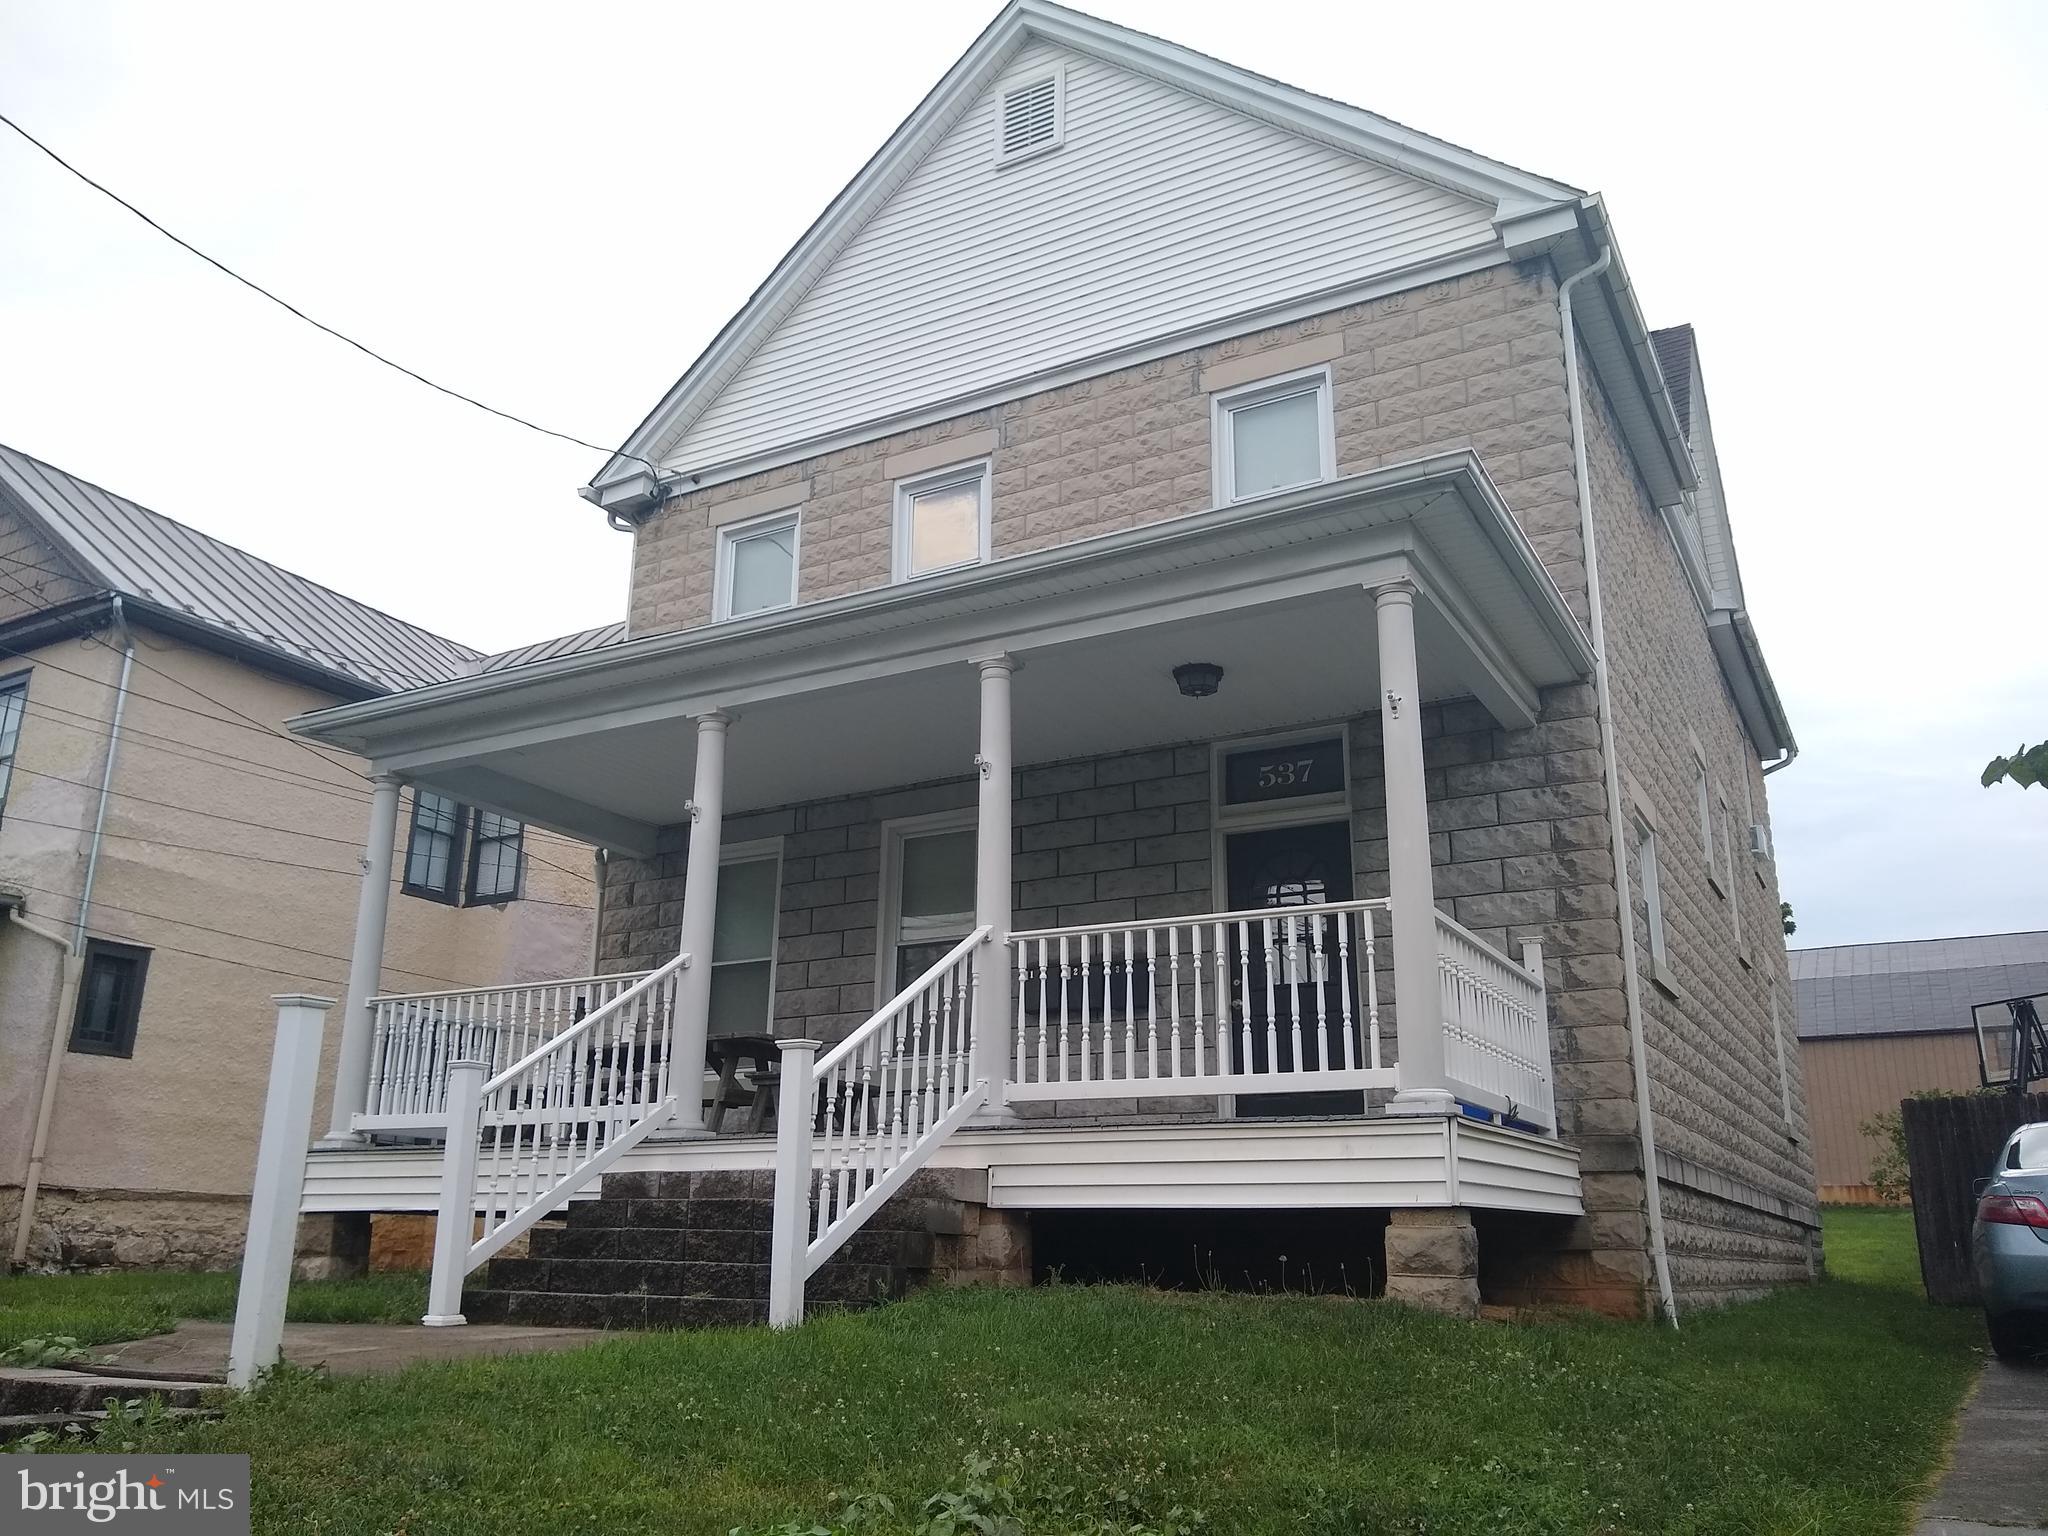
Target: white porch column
(992, 888)
(1419, 1074)
(700, 912)
(280, 1179)
(366, 962)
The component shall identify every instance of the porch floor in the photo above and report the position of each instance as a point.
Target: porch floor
(1151, 1161)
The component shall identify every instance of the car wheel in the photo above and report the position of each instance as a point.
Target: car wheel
(2013, 1336)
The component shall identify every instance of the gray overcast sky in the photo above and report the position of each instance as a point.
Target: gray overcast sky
(555, 207)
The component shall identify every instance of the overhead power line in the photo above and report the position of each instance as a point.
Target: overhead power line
(240, 721)
(293, 309)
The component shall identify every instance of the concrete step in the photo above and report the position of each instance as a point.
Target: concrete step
(51, 1389)
(717, 1245)
(574, 1309)
(834, 1281)
(15, 1425)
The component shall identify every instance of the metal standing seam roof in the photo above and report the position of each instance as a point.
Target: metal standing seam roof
(128, 549)
(563, 645)
(1914, 987)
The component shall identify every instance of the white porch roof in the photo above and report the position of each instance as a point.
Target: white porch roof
(872, 690)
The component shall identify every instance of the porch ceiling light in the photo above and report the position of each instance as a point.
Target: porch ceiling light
(1198, 679)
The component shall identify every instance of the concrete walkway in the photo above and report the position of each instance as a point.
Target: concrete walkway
(200, 1350)
(1997, 1482)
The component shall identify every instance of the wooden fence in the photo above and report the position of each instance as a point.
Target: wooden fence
(1951, 1143)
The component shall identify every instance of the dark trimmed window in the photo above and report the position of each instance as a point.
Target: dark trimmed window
(13, 702)
(433, 851)
(109, 999)
(495, 845)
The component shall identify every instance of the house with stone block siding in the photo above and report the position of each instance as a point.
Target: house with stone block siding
(1186, 709)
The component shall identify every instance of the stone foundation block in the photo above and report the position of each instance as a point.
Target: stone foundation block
(332, 1247)
(1433, 1261)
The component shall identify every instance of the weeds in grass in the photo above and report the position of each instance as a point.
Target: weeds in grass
(996, 1501)
(57, 1349)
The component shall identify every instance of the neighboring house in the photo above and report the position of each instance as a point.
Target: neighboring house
(1879, 1023)
(1149, 495)
(142, 658)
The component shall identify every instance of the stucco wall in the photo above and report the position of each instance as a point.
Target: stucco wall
(1474, 362)
(254, 899)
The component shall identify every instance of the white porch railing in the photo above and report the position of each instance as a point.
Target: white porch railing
(853, 1126)
(1496, 1027)
(415, 1035)
(521, 1143)
(1274, 999)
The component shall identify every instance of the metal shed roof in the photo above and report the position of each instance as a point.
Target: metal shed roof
(564, 645)
(128, 549)
(1919, 986)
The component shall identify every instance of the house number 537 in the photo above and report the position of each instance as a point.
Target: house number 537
(1285, 775)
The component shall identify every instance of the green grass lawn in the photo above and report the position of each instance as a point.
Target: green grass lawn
(1872, 1244)
(99, 1309)
(1118, 1411)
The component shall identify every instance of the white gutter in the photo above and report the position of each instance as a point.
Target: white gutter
(1646, 1130)
(74, 947)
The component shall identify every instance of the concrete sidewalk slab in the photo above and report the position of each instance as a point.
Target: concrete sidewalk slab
(1997, 1482)
(200, 1350)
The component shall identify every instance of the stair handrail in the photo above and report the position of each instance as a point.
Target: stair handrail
(884, 1131)
(571, 1123)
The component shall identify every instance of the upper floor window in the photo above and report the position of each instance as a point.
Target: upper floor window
(109, 999)
(443, 831)
(1653, 902)
(494, 857)
(942, 520)
(13, 701)
(756, 566)
(1273, 436)
(433, 865)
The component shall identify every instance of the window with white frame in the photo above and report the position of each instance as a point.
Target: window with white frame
(743, 947)
(756, 566)
(1273, 436)
(1784, 1070)
(1733, 891)
(1653, 900)
(1703, 794)
(934, 879)
(942, 521)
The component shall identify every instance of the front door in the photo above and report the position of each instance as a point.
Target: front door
(1285, 867)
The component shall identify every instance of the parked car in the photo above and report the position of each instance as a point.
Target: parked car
(2009, 1242)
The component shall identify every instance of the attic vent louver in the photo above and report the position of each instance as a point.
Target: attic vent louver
(1033, 119)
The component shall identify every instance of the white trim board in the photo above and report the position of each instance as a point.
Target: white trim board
(1381, 1163)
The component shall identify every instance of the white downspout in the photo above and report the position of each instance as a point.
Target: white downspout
(1646, 1130)
(74, 951)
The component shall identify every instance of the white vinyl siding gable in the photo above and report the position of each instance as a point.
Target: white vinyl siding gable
(1160, 214)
